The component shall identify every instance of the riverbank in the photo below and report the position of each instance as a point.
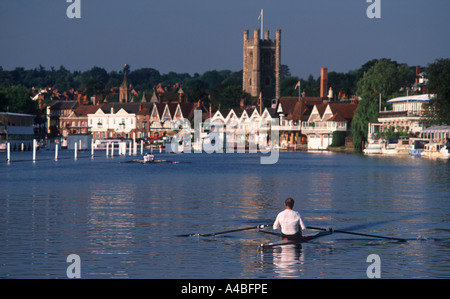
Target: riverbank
(341, 149)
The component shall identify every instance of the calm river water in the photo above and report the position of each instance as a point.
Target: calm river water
(122, 219)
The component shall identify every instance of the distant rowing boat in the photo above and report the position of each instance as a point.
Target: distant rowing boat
(302, 240)
(142, 161)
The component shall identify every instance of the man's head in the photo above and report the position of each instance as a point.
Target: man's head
(289, 202)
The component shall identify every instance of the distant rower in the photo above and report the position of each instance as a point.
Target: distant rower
(148, 157)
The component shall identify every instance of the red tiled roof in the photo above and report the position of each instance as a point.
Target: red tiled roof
(345, 110)
(84, 110)
(337, 117)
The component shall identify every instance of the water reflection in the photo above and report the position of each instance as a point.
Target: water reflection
(110, 219)
(288, 260)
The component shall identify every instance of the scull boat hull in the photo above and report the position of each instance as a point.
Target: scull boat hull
(302, 240)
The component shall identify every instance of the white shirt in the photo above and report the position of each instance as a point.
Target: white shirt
(289, 221)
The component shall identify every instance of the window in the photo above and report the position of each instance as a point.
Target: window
(267, 58)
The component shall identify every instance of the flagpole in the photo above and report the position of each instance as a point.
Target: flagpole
(299, 89)
(262, 28)
(260, 103)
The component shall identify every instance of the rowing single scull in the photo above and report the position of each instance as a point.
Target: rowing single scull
(302, 240)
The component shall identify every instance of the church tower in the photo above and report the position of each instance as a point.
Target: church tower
(124, 92)
(262, 64)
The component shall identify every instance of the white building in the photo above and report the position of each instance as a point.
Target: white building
(326, 119)
(405, 114)
(113, 124)
(241, 126)
(16, 129)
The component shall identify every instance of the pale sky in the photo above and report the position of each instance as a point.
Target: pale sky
(200, 35)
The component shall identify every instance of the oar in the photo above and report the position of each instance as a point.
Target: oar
(353, 233)
(261, 226)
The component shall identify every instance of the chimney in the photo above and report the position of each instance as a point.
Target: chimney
(323, 82)
(112, 109)
(418, 70)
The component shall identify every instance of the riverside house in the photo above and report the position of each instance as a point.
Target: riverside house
(405, 114)
(325, 119)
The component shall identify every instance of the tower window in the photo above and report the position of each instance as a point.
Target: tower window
(267, 58)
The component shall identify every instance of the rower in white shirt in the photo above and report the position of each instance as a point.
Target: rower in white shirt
(148, 158)
(290, 222)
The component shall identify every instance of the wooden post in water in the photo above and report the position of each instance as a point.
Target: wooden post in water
(75, 153)
(34, 150)
(124, 148)
(8, 152)
(129, 147)
(56, 151)
(142, 147)
(121, 151)
(107, 149)
(112, 149)
(92, 148)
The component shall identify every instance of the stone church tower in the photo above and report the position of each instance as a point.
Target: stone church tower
(262, 64)
(124, 91)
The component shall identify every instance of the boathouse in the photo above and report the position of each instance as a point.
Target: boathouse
(324, 120)
(405, 114)
(17, 129)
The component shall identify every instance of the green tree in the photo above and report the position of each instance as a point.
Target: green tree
(145, 78)
(384, 79)
(17, 99)
(437, 111)
(93, 87)
(287, 86)
(284, 72)
(229, 92)
(199, 91)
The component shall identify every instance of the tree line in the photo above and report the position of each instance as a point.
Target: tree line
(223, 87)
